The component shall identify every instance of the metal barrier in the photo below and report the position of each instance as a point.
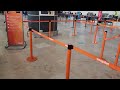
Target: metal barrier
(70, 47)
(114, 66)
(95, 35)
(103, 44)
(74, 24)
(114, 37)
(104, 26)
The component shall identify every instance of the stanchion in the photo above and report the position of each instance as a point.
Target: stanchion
(70, 47)
(105, 22)
(74, 28)
(91, 28)
(95, 35)
(117, 54)
(111, 30)
(73, 22)
(31, 58)
(103, 44)
(49, 34)
(85, 23)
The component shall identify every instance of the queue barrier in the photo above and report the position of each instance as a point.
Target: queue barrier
(74, 24)
(104, 26)
(31, 58)
(83, 21)
(114, 37)
(111, 21)
(104, 40)
(100, 58)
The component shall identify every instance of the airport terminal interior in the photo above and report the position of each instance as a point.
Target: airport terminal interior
(59, 45)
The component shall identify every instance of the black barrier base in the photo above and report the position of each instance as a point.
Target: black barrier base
(16, 47)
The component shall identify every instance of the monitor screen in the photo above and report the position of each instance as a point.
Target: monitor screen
(44, 12)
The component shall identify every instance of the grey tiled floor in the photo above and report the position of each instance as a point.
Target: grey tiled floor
(52, 57)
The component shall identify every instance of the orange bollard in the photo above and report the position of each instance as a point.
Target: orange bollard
(110, 29)
(73, 23)
(31, 58)
(68, 61)
(103, 44)
(85, 23)
(91, 28)
(74, 28)
(104, 26)
(95, 35)
(49, 34)
(103, 29)
(117, 55)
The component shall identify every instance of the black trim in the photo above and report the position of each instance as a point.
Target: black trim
(70, 47)
(106, 31)
(30, 29)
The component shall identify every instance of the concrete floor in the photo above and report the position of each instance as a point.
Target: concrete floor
(52, 57)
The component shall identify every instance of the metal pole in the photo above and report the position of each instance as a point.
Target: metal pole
(95, 35)
(103, 44)
(74, 28)
(68, 61)
(49, 34)
(31, 58)
(117, 54)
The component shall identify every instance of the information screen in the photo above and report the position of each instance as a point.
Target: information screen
(14, 27)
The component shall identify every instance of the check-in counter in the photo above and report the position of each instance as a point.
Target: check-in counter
(42, 16)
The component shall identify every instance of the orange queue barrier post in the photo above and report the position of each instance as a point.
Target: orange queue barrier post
(104, 26)
(70, 47)
(103, 44)
(73, 23)
(91, 28)
(50, 21)
(64, 45)
(74, 34)
(95, 35)
(82, 21)
(65, 21)
(80, 51)
(113, 66)
(117, 54)
(49, 34)
(111, 29)
(31, 58)
(85, 24)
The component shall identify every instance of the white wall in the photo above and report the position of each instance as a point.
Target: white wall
(96, 12)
